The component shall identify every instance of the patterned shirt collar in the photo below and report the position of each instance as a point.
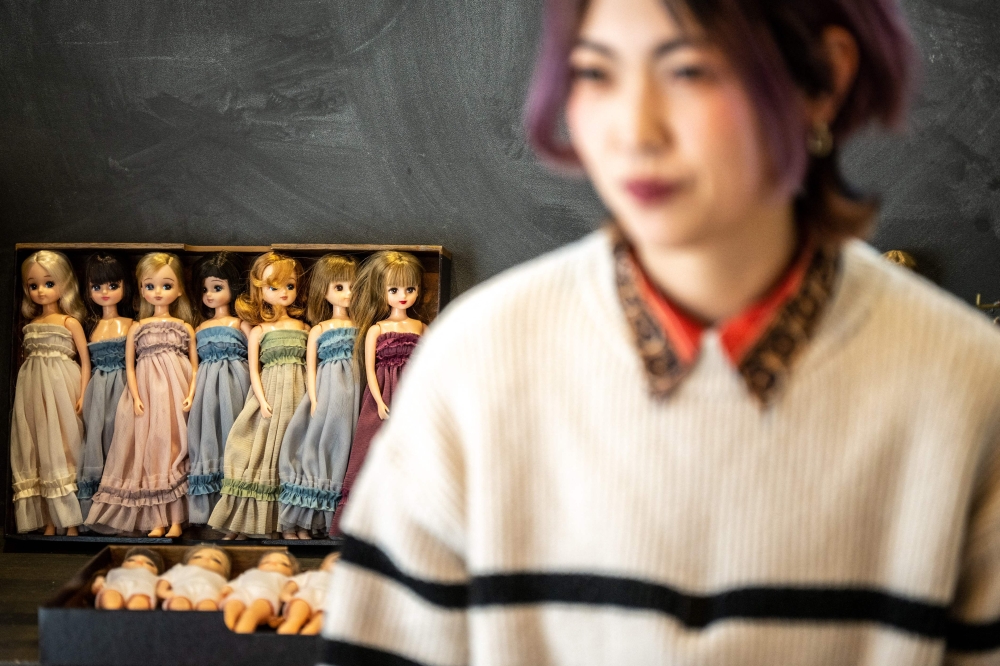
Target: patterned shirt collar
(762, 342)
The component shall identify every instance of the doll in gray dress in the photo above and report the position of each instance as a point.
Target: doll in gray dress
(223, 377)
(110, 306)
(317, 443)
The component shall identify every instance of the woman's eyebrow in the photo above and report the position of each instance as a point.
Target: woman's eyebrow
(663, 49)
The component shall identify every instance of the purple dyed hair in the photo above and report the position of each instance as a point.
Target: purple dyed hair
(775, 46)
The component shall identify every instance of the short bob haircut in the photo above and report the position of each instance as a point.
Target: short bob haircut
(223, 265)
(775, 47)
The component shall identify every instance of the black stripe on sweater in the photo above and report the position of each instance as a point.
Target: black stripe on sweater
(782, 604)
(338, 653)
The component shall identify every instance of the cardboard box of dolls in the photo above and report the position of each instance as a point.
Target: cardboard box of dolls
(203, 393)
(72, 632)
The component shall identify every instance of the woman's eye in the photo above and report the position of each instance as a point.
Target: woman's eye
(689, 72)
(588, 73)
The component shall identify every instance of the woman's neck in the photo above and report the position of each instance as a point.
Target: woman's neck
(719, 277)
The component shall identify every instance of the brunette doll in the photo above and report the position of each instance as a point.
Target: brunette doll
(223, 377)
(145, 476)
(388, 285)
(251, 486)
(46, 432)
(318, 440)
(304, 597)
(197, 582)
(132, 585)
(109, 302)
(254, 597)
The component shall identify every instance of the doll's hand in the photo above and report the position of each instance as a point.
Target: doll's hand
(98, 585)
(383, 411)
(138, 408)
(312, 408)
(265, 410)
(186, 405)
(79, 405)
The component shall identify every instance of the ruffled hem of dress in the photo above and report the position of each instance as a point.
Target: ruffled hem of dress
(204, 484)
(310, 498)
(245, 515)
(258, 491)
(303, 518)
(143, 497)
(85, 489)
(49, 489)
(124, 518)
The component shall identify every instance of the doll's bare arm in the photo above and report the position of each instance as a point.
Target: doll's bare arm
(288, 591)
(246, 328)
(371, 342)
(312, 352)
(225, 592)
(253, 352)
(193, 355)
(83, 352)
(98, 585)
(163, 589)
(133, 385)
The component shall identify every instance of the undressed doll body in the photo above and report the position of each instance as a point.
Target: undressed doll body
(317, 443)
(50, 389)
(250, 488)
(131, 586)
(304, 596)
(197, 582)
(253, 598)
(146, 474)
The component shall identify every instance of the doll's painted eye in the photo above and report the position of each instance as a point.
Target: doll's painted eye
(217, 288)
(393, 290)
(273, 288)
(32, 287)
(95, 287)
(148, 286)
(50, 284)
(168, 287)
(339, 287)
(291, 287)
(113, 286)
(410, 290)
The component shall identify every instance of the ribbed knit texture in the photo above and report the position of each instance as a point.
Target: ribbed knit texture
(524, 441)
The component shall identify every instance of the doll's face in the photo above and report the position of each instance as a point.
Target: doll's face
(215, 292)
(161, 287)
(329, 561)
(339, 294)
(108, 293)
(210, 559)
(42, 287)
(140, 562)
(277, 562)
(280, 294)
(401, 297)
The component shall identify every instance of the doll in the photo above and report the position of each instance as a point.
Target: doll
(388, 285)
(304, 596)
(145, 475)
(250, 487)
(46, 431)
(318, 440)
(223, 378)
(109, 301)
(132, 585)
(197, 582)
(253, 597)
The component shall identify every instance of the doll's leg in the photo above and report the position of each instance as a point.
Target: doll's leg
(157, 532)
(110, 600)
(289, 534)
(258, 613)
(207, 605)
(229, 536)
(175, 531)
(314, 625)
(72, 531)
(177, 604)
(296, 614)
(139, 602)
(304, 534)
(231, 612)
(50, 530)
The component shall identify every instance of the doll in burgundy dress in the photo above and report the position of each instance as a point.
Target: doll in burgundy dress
(386, 288)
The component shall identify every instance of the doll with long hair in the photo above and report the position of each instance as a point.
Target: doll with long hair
(318, 440)
(146, 474)
(46, 431)
(109, 301)
(387, 288)
(223, 377)
(251, 485)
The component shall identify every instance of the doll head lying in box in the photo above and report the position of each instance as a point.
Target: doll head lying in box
(197, 582)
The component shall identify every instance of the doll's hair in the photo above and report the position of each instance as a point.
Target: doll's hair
(378, 272)
(59, 267)
(149, 264)
(224, 265)
(904, 259)
(296, 568)
(251, 307)
(327, 269)
(152, 555)
(101, 268)
(190, 552)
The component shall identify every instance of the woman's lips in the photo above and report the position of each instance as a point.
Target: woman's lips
(652, 191)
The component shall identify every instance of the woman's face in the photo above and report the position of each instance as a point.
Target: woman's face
(161, 287)
(664, 127)
(42, 287)
(401, 298)
(338, 294)
(215, 292)
(282, 294)
(107, 293)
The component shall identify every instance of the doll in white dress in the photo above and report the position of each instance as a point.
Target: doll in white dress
(131, 585)
(304, 596)
(254, 597)
(197, 582)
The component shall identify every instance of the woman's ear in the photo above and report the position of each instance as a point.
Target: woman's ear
(842, 55)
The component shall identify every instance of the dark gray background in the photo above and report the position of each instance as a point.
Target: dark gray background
(394, 121)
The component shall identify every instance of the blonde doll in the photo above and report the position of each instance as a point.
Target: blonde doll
(318, 440)
(388, 286)
(46, 432)
(251, 486)
(146, 475)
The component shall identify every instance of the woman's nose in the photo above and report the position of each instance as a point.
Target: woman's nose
(644, 122)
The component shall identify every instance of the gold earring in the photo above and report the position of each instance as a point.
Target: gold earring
(820, 141)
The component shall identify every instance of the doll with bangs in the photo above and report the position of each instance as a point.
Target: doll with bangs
(109, 298)
(46, 431)
(146, 474)
(223, 377)
(387, 288)
(318, 440)
(250, 486)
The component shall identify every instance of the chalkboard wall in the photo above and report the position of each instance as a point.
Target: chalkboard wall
(392, 121)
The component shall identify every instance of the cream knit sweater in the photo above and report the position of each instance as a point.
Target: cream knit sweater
(528, 502)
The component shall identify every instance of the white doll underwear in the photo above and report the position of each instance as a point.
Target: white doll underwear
(194, 584)
(255, 584)
(312, 588)
(130, 582)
